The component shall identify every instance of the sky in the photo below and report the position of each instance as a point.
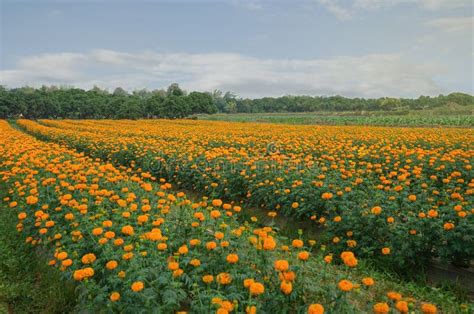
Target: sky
(253, 48)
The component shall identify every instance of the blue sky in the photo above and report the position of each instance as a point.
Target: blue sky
(355, 48)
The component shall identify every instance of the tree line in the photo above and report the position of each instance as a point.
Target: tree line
(74, 103)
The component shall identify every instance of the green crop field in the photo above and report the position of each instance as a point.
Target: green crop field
(405, 118)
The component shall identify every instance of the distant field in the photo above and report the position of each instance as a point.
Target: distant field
(405, 118)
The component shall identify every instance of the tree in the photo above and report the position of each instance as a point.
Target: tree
(119, 91)
(175, 107)
(174, 90)
(389, 104)
(76, 103)
(153, 106)
(218, 100)
(128, 108)
(201, 103)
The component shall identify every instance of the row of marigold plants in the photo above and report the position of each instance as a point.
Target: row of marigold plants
(399, 196)
(132, 244)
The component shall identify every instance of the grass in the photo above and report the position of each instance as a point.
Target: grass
(27, 283)
(463, 118)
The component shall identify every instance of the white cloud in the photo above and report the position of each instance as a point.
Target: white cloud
(367, 76)
(453, 24)
(444, 4)
(347, 9)
(341, 12)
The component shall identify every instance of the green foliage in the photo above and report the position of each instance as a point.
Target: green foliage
(339, 103)
(165, 293)
(385, 118)
(74, 103)
(201, 102)
(27, 283)
(371, 232)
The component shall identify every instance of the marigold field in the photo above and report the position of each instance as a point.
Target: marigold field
(106, 201)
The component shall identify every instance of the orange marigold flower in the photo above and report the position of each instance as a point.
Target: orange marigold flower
(137, 286)
(232, 258)
(142, 218)
(84, 273)
(377, 210)
(215, 214)
(269, 243)
(286, 287)
(297, 243)
(248, 282)
(428, 308)
(216, 203)
(304, 255)
(111, 265)
(394, 295)
(256, 288)
(281, 265)
(66, 262)
(349, 258)
(211, 245)
(62, 255)
(288, 276)
(208, 279)
(173, 265)
(178, 272)
(326, 196)
(448, 226)
(402, 306)
(345, 285)
(224, 278)
(31, 200)
(368, 281)
(183, 250)
(128, 230)
(161, 246)
(114, 296)
(195, 262)
(328, 259)
(381, 308)
(316, 308)
(97, 231)
(109, 235)
(194, 242)
(351, 261)
(88, 258)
